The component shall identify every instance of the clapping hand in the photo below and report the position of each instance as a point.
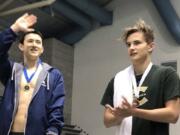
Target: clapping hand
(123, 110)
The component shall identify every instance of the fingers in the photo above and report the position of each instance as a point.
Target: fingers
(135, 103)
(109, 107)
(124, 106)
(31, 20)
(24, 23)
(124, 99)
(29, 29)
(28, 21)
(125, 103)
(25, 15)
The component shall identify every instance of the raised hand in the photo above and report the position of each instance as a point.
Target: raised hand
(24, 23)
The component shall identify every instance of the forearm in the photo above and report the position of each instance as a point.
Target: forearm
(165, 115)
(56, 102)
(6, 39)
(14, 28)
(55, 122)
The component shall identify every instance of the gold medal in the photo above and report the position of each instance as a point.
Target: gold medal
(26, 87)
(29, 78)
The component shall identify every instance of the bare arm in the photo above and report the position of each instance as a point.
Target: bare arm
(168, 114)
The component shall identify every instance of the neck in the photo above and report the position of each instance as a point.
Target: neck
(140, 67)
(29, 64)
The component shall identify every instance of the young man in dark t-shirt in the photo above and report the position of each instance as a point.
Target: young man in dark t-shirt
(143, 98)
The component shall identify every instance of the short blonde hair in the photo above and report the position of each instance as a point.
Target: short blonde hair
(140, 26)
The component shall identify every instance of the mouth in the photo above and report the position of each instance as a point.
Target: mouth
(133, 54)
(33, 50)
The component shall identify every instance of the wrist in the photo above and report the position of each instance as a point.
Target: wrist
(134, 112)
(14, 28)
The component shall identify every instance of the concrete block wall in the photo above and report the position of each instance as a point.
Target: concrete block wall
(61, 56)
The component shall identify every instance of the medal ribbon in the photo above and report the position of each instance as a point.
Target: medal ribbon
(28, 79)
(134, 83)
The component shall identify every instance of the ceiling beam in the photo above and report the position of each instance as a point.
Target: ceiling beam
(27, 7)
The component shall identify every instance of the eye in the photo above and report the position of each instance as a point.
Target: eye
(38, 42)
(136, 42)
(30, 41)
(128, 44)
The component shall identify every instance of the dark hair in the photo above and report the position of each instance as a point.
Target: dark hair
(140, 26)
(21, 38)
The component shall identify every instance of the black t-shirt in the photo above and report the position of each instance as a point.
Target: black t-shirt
(108, 95)
(160, 85)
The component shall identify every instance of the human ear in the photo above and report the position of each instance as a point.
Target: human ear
(151, 47)
(42, 50)
(21, 47)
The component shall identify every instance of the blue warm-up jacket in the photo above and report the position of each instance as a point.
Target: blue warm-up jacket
(45, 112)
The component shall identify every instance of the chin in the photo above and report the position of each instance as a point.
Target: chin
(34, 54)
(34, 57)
(134, 59)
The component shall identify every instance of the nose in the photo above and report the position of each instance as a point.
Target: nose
(34, 43)
(131, 46)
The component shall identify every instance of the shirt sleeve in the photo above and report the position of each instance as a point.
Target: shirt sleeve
(7, 37)
(56, 104)
(108, 94)
(171, 85)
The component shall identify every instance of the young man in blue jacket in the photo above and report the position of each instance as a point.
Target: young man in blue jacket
(33, 98)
